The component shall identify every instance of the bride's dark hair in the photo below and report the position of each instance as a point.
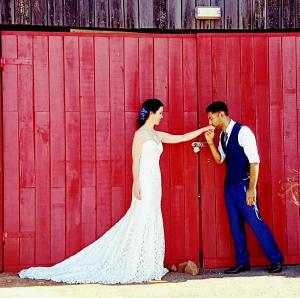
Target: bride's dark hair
(150, 105)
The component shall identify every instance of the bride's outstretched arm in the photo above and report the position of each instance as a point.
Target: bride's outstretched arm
(136, 154)
(172, 139)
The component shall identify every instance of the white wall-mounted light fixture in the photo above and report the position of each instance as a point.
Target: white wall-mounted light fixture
(207, 12)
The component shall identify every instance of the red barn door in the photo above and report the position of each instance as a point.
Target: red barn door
(258, 75)
(70, 103)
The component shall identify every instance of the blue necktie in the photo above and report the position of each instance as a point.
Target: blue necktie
(225, 138)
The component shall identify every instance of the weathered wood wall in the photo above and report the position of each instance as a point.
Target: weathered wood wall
(145, 14)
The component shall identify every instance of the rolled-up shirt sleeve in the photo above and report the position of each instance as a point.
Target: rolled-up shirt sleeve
(221, 151)
(247, 140)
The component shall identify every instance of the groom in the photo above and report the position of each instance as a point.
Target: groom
(237, 145)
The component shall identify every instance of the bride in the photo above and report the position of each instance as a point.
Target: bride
(133, 249)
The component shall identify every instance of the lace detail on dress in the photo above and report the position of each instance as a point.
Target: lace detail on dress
(132, 250)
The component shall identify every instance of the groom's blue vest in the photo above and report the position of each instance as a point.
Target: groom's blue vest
(237, 164)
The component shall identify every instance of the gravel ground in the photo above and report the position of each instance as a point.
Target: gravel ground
(209, 283)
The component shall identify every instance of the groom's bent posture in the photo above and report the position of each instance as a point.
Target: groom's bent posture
(237, 146)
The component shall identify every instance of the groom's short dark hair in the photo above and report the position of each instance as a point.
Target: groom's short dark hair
(217, 106)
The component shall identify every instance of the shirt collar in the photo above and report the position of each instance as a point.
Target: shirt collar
(230, 127)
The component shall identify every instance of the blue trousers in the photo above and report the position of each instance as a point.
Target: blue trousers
(238, 212)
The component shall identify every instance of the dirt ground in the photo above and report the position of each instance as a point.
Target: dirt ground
(209, 283)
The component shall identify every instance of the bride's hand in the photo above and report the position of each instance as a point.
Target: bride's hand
(137, 191)
(208, 128)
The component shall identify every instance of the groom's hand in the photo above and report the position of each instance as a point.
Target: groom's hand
(251, 197)
(209, 136)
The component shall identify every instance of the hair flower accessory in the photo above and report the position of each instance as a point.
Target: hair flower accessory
(143, 113)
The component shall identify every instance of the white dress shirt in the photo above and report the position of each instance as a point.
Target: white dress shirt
(246, 139)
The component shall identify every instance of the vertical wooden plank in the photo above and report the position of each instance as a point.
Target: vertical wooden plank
(218, 24)
(245, 14)
(11, 185)
(146, 17)
(231, 15)
(101, 14)
(176, 126)
(160, 14)
(248, 116)
(104, 193)
(131, 14)
(117, 126)
(288, 14)
(116, 14)
(161, 71)
(57, 122)
(86, 16)
(161, 90)
(191, 203)
(221, 80)
(263, 127)
(10, 76)
(290, 136)
(27, 224)
(188, 15)
(25, 104)
(71, 70)
(8, 12)
(174, 14)
(130, 128)
(207, 188)
(203, 24)
(39, 12)
(166, 195)
(22, 12)
(277, 156)
(42, 204)
(145, 68)
(233, 69)
(55, 13)
(102, 95)
(189, 75)
(58, 226)
(40, 72)
(73, 183)
(259, 14)
(1, 167)
(131, 60)
(71, 12)
(87, 106)
(274, 14)
(88, 139)
(88, 215)
(296, 193)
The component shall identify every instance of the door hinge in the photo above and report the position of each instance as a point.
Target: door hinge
(2, 63)
(4, 236)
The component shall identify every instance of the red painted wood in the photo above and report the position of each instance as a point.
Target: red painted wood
(145, 68)
(102, 73)
(42, 191)
(248, 114)
(41, 74)
(11, 199)
(103, 155)
(73, 183)
(117, 127)
(176, 126)
(71, 73)
(290, 139)
(72, 127)
(277, 156)
(208, 243)
(161, 69)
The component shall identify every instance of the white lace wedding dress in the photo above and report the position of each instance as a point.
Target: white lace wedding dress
(132, 250)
